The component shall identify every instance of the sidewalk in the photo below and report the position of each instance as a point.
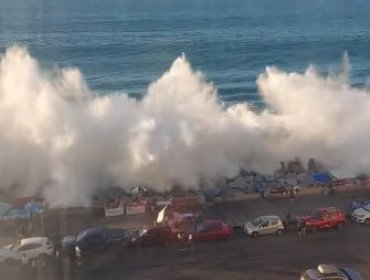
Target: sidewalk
(61, 222)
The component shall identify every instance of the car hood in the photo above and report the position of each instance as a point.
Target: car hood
(5, 251)
(360, 211)
(307, 218)
(68, 241)
(249, 225)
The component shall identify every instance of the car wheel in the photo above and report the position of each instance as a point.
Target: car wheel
(279, 232)
(367, 222)
(255, 234)
(230, 222)
(167, 243)
(340, 225)
(313, 229)
(42, 259)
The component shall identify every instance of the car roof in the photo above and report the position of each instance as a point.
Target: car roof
(327, 269)
(323, 271)
(89, 231)
(328, 209)
(270, 217)
(212, 222)
(33, 240)
(313, 273)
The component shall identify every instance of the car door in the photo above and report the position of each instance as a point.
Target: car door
(334, 218)
(208, 233)
(326, 220)
(217, 231)
(264, 227)
(271, 229)
(319, 220)
(30, 250)
(150, 237)
(94, 243)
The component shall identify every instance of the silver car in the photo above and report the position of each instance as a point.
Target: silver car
(263, 225)
(330, 272)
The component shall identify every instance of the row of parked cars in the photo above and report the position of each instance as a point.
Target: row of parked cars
(93, 241)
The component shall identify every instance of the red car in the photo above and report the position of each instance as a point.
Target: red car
(322, 218)
(211, 230)
(154, 236)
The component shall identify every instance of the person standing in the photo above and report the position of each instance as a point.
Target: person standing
(262, 193)
(291, 196)
(351, 202)
(303, 228)
(287, 220)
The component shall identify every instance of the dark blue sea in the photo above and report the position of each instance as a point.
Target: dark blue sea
(123, 45)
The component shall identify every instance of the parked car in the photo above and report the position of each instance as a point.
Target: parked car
(330, 272)
(362, 215)
(27, 250)
(144, 237)
(323, 218)
(264, 225)
(211, 230)
(92, 241)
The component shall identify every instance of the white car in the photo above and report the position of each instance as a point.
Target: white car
(362, 215)
(264, 225)
(27, 250)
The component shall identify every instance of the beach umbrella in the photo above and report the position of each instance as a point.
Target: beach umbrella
(139, 189)
(322, 177)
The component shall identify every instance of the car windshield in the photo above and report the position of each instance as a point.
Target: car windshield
(305, 276)
(142, 232)
(367, 208)
(256, 222)
(15, 247)
(315, 214)
(200, 227)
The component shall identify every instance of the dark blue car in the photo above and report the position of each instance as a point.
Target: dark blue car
(92, 241)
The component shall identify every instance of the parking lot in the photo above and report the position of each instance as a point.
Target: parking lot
(240, 257)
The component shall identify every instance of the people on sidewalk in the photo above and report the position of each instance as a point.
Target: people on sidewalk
(301, 226)
(291, 196)
(262, 193)
(287, 220)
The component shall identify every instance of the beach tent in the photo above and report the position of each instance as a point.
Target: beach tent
(4, 207)
(305, 179)
(139, 189)
(322, 177)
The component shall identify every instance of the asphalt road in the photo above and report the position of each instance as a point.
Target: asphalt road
(269, 257)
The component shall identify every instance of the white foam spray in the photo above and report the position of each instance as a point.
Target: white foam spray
(62, 141)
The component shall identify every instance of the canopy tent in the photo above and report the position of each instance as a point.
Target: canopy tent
(305, 179)
(139, 189)
(4, 207)
(322, 177)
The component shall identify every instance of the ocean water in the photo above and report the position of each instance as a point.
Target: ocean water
(123, 45)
